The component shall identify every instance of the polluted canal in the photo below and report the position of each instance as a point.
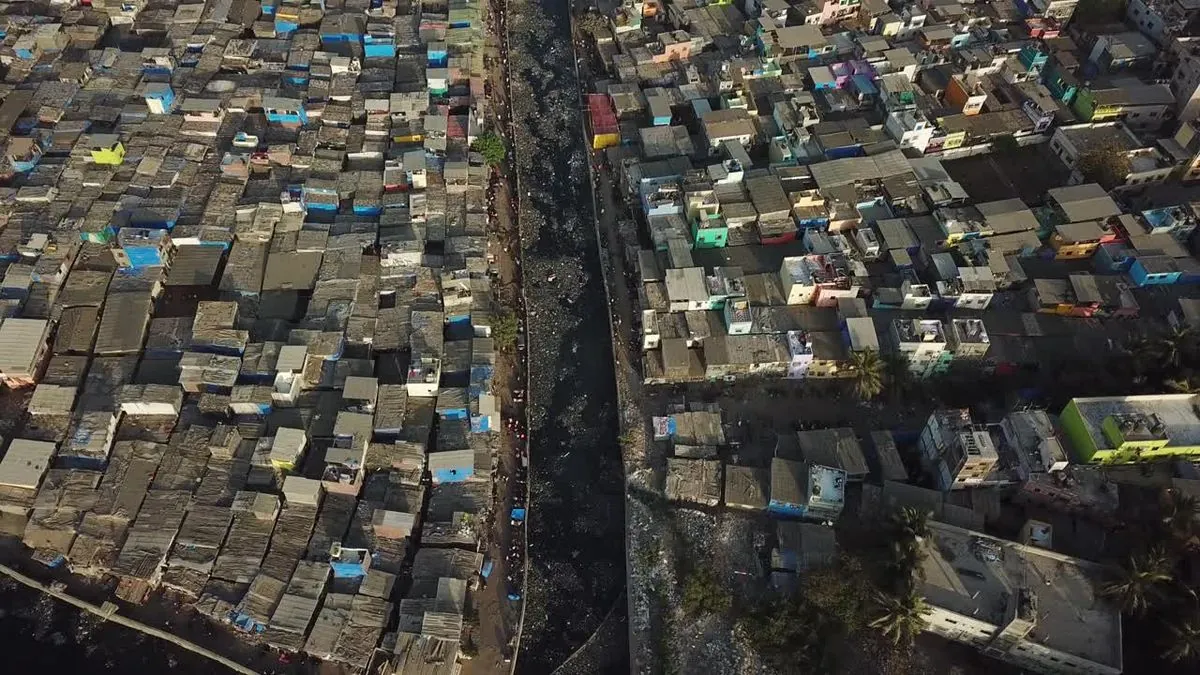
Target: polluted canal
(577, 572)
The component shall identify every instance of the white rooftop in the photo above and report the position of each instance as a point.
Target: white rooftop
(1177, 412)
(978, 576)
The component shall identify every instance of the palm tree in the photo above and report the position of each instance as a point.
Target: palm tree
(1183, 640)
(905, 562)
(868, 373)
(1179, 518)
(911, 523)
(1140, 350)
(896, 374)
(1185, 384)
(909, 527)
(1176, 346)
(1141, 583)
(901, 617)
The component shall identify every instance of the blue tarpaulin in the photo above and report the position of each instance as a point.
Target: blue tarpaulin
(348, 570)
(486, 571)
(518, 514)
(453, 475)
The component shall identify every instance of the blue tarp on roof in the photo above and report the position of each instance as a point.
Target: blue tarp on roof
(453, 475)
(347, 570)
(518, 514)
(863, 85)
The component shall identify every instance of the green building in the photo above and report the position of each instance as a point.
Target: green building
(1126, 429)
(710, 231)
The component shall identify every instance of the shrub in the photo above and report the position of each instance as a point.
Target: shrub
(491, 147)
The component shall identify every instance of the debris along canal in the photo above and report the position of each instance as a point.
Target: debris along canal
(576, 522)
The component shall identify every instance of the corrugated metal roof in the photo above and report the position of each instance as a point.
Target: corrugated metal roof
(123, 324)
(20, 340)
(195, 265)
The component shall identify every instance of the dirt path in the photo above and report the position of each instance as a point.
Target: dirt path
(498, 617)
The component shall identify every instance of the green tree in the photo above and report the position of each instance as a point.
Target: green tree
(504, 330)
(897, 374)
(704, 594)
(491, 147)
(805, 631)
(900, 617)
(1106, 164)
(1185, 384)
(910, 522)
(907, 528)
(1176, 346)
(1183, 640)
(838, 592)
(593, 22)
(868, 373)
(1178, 516)
(787, 632)
(1141, 584)
(1138, 354)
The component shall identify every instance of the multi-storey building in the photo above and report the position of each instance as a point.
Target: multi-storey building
(1023, 604)
(923, 343)
(958, 452)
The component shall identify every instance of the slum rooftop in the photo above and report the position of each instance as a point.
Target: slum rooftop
(932, 158)
(229, 231)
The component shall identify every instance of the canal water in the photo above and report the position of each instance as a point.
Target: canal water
(576, 527)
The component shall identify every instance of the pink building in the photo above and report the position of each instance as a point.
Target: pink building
(837, 10)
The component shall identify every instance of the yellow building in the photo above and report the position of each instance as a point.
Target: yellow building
(955, 140)
(1074, 241)
(107, 149)
(602, 141)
